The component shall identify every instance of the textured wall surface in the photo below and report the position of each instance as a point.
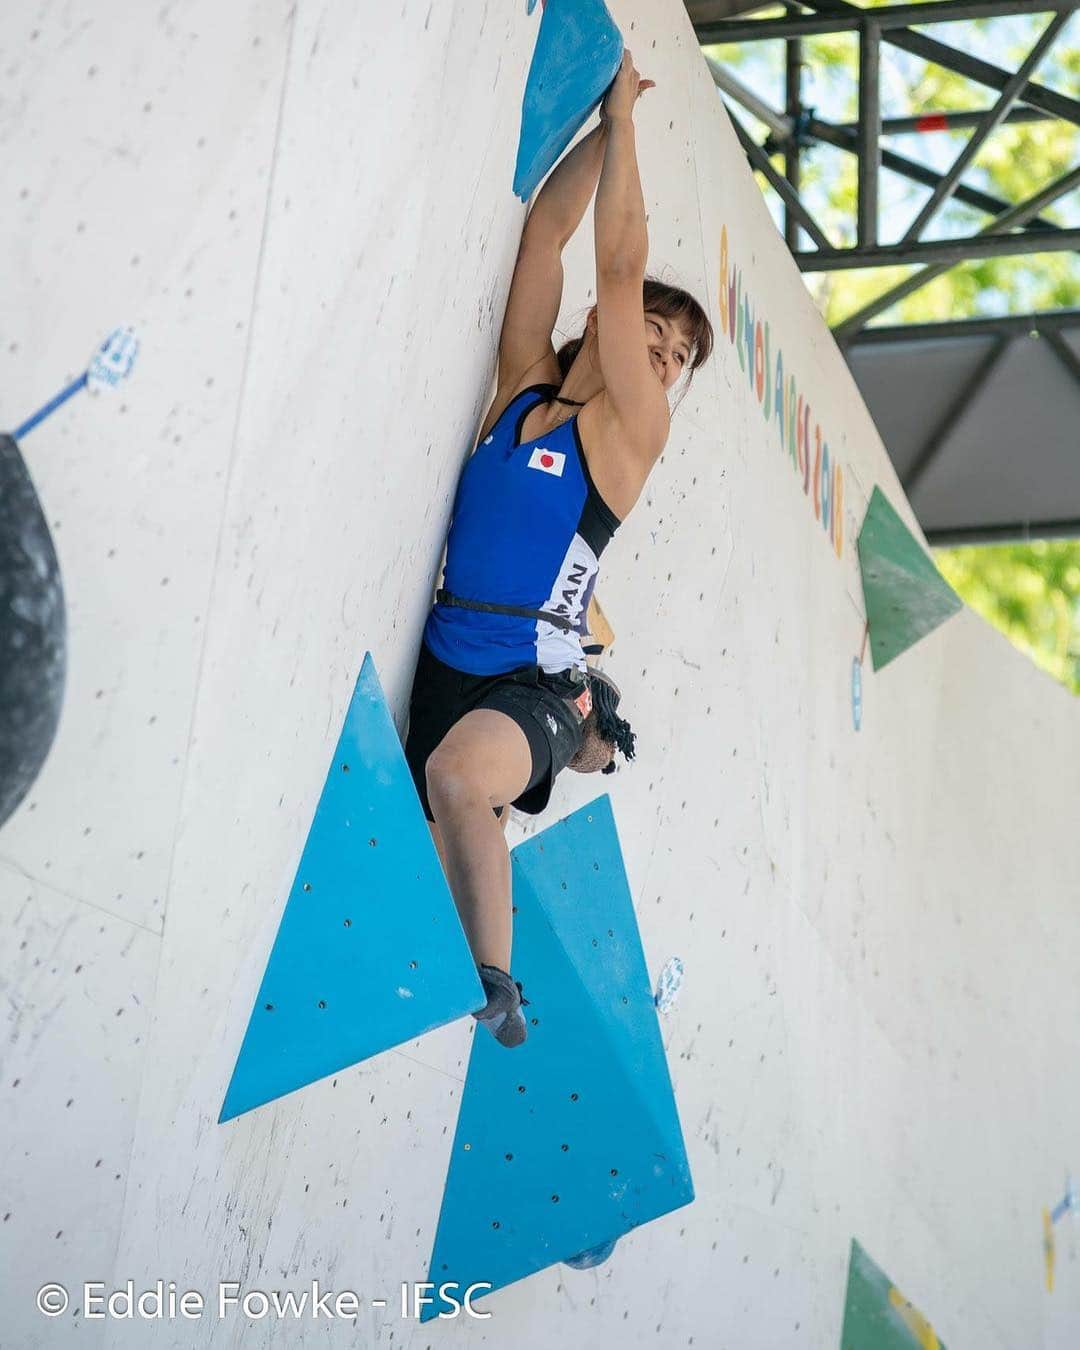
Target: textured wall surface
(307, 212)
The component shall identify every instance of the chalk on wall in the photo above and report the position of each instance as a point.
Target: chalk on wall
(669, 985)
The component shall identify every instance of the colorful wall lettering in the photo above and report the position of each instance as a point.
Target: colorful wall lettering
(781, 400)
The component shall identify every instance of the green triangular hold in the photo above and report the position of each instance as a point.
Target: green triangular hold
(877, 1316)
(906, 596)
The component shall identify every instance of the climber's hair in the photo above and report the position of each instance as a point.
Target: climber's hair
(674, 304)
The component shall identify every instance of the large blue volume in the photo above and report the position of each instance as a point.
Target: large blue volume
(578, 52)
(370, 950)
(572, 1139)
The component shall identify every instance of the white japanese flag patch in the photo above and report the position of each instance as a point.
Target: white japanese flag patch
(547, 461)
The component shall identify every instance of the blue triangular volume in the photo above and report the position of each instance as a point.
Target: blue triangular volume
(578, 51)
(573, 1139)
(370, 951)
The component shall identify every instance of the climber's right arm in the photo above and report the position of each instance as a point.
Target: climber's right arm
(536, 288)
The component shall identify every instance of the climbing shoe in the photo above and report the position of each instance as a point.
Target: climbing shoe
(502, 1014)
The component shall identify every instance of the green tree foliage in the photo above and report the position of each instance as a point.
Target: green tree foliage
(1030, 591)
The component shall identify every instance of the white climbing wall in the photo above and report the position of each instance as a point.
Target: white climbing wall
(306, 210)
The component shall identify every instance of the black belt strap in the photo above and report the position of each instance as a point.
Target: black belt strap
(556, 620)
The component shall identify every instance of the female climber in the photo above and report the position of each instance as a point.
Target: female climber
(502, 691)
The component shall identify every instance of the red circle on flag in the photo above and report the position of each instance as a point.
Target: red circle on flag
(547, 461)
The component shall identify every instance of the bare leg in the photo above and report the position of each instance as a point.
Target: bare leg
(437, 840)
(482, 762)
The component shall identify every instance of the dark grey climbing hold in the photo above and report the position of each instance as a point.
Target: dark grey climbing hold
(33, 632)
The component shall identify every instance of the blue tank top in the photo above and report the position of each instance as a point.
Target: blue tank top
(527, 530)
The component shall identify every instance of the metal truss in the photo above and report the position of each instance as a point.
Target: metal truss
(1049, 327)
(1015, 227)
(1008, 533)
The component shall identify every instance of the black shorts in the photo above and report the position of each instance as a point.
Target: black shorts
(537, 703)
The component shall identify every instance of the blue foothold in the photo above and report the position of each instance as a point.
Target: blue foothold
(856, 692)
(369, 951)
(571, 1140)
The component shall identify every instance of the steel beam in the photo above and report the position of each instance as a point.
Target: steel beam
(1016, 215)
(1018, 531)
(944, 253)
(760, 160)
(1005, 325)
(919, 173)
(887, 16)
(982, 72)
(869, 133)
(956, 409)
(926, 123)
(1000, 236)
(844, 138)
(990, 121)
(1064, 353)
(779, 125)
(792, 148)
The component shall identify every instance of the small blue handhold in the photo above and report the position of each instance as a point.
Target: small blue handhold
(856, 692)
(578, 53)
(668, 985)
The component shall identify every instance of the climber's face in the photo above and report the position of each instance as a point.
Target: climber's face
(669, 347)
(668, 344)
